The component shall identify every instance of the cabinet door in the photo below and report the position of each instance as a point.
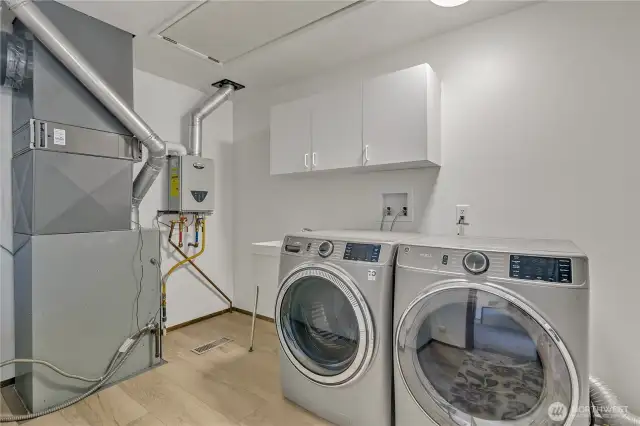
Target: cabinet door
(291, 137)
(336, 128)
(394, 117)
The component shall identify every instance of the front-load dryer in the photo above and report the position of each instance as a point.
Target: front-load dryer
(491, 332)
(333, 318)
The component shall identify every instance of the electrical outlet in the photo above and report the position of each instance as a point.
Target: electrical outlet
(462, 213)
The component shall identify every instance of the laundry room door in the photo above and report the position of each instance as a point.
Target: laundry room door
(475, 354)
(324, 324)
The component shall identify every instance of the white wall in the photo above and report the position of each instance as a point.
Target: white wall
(163, 104)
(540, 137)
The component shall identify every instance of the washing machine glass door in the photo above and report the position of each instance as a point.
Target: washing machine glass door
(324, 324)
(473, 353)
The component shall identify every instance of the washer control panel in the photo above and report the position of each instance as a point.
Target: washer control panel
(336, 250)
(538, 268)
(362, 252)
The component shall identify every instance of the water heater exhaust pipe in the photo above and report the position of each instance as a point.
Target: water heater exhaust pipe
(67, 54)
(200, 112)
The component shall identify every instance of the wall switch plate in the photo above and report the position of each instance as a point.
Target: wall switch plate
(397, 201)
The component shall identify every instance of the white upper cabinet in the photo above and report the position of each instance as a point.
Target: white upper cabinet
(388, 122)
(401, 118)
(336, 128)
(291, 137)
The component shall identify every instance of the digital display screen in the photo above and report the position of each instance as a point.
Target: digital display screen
(537, 268)
(362, 252)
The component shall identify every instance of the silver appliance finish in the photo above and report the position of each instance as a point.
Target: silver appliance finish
(60, 193)
(553, 315)
(356, 390)
(52, 94)
(40, 24)
(191, 184)
(75, 303)
(39, 134)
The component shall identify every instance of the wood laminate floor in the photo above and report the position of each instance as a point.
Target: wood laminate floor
(227, 386)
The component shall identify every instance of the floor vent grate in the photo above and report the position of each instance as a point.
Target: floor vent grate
(211, 345)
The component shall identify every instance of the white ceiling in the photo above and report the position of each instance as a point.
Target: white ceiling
(346, 36)
(225, 30)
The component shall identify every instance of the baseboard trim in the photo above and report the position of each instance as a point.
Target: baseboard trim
(215, 314)
(262, 317)
(8, 382)
(197, 320)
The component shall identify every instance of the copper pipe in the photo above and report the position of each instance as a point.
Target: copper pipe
(180, 230)
(173, 225)
(222, 293)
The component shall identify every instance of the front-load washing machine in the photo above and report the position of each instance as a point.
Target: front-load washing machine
(491, 332)
(333, 317)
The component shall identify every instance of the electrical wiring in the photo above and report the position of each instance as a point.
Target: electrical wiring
(52, 367)
(127, 348)
(139, 289)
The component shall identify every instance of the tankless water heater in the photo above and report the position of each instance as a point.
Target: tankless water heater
(191, 181)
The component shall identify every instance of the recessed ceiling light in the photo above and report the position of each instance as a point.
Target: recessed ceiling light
(449, 3)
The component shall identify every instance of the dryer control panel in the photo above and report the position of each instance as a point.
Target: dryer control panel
(488, 264)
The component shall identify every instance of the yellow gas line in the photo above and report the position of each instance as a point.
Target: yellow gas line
(178, 265)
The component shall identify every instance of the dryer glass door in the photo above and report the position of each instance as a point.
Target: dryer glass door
(472, 353)
(324, 324)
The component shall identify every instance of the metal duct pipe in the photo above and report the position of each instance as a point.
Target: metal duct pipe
(61, 48)
(176, 148)
(607, 403)
(201, 112)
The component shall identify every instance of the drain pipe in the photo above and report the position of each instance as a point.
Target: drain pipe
(199, 113)
(607, 404)
(61, 48)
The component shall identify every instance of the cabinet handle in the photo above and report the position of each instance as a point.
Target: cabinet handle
(313, 159)
(366, 153)
(306, 161)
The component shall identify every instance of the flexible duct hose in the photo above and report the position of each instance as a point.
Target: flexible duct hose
(114, 366)
(607, 403)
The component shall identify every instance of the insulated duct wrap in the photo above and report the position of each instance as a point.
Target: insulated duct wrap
(14, 61)
(49, 35)
(608, 404)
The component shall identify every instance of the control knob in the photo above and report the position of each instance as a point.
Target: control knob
(325, 249)
(475, 262)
